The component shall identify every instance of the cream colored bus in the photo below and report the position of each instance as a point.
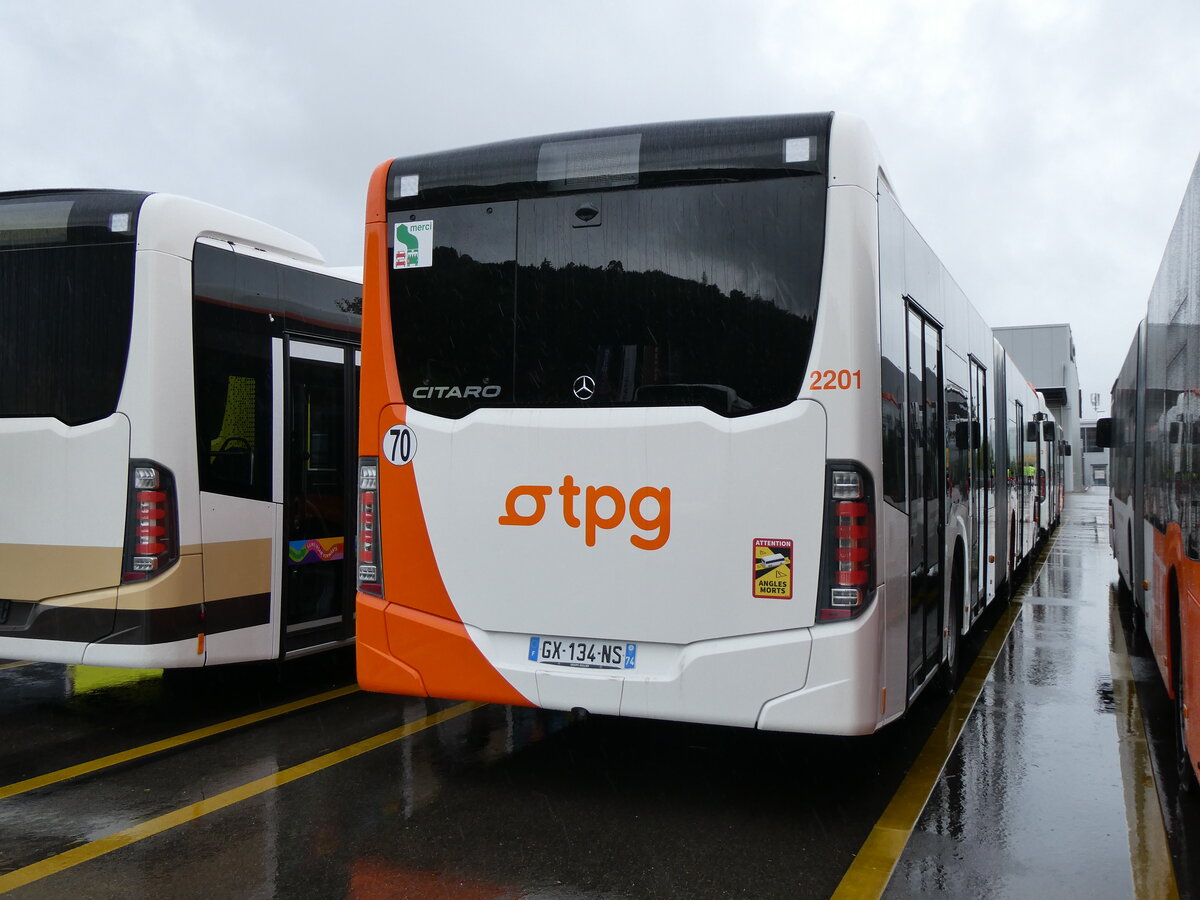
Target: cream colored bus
(177, 386)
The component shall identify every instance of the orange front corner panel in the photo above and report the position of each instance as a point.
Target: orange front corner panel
(405, 651)
(378, 670)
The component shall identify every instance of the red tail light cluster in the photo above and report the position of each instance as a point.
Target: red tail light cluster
(370, 565)
(848, 551)
(152, 522)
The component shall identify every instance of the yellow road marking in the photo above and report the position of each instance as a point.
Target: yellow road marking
(15, 665)
(75, 856)
(872, 868)
(29, 784)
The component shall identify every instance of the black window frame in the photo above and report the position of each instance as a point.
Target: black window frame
(67, 274)
(678, 156)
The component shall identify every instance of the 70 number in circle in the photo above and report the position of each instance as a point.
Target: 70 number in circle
(400, 445)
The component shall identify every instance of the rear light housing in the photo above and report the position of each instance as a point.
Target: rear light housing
(369, 577)
(847, 584)
(151, 522)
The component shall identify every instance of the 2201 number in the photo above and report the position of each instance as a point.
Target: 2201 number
(840, 380)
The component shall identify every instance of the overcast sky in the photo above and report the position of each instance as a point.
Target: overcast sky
(1040, 146)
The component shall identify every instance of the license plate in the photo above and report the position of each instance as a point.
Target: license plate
(582, 654)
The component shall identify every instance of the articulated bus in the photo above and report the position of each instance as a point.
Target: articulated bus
(680, 421)
(1154, 436)
(177, 418)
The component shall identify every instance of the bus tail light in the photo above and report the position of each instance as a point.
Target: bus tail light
(151, 522)
(848, 549)
(370, 563)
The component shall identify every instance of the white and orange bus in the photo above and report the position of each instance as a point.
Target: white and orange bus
(681, 421)
(1154, 436)
(177, 417)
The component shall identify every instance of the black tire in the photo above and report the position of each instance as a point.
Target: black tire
(949, 673)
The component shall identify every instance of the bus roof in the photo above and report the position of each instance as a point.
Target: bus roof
(672, 152)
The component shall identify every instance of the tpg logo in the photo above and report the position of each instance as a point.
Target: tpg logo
(604, 508)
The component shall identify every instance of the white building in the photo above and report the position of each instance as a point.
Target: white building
(1046, 356)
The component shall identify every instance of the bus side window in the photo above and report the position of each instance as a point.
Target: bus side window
(231, 457)
(233, 379)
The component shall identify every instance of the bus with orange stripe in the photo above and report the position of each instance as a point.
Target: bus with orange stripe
(682, 421)
(177, 420)
(1154, 508)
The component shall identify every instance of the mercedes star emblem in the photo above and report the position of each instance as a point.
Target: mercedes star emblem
(585, 387)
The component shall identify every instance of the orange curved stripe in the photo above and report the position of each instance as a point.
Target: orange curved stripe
(449, 662)
(415, 644)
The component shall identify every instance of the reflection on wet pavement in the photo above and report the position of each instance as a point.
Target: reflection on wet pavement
(1048, 794)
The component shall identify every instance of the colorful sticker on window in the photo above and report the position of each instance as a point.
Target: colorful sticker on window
(412, 245)
(315, 550)
(773, 568)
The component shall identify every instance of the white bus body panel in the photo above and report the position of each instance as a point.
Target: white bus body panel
(731, 481)
(64, 487)
(708, 650)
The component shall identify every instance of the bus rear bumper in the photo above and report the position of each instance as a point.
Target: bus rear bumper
(821, 680)
(843, 693)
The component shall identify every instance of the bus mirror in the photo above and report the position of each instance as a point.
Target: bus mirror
(1031, 432)
(1104, 433)
(1048, 430)
(1173, 433)
(1066, 449)
(962, 435)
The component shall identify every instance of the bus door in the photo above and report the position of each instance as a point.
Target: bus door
(320, 429)
(980, 467)
(926, 497)
(1020, 473)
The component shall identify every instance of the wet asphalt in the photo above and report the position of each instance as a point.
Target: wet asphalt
(1050, 792)
(1054, 788)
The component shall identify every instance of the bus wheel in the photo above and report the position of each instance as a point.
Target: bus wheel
(1186, 771)
(948, 676)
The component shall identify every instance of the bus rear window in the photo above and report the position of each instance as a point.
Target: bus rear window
(66, 302)
(687, 295)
